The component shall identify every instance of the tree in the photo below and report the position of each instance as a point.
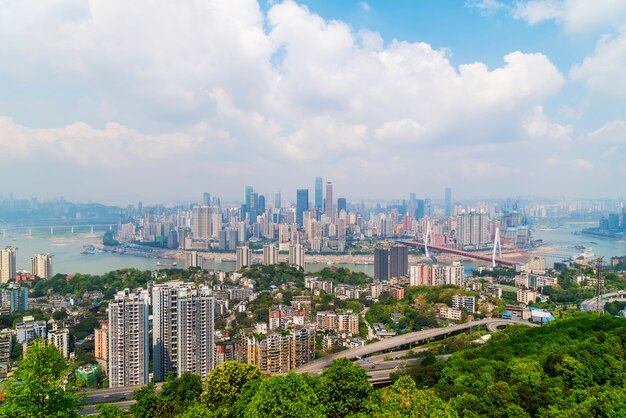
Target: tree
(40, 386)
(179, 394)
(224, 383)
(343, 389)
(403, 399)
(289, 397)
(147, 401)
(110, 411)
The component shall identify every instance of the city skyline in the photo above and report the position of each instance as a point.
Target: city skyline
(529, 99)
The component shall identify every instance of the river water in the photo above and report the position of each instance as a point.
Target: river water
(68, 259)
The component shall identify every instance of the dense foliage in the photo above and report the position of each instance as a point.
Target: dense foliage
(108, 283)
(240, 390)
(574, 367)
(40, 386)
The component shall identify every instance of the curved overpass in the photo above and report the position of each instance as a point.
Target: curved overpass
(402, 340)
(590, 304)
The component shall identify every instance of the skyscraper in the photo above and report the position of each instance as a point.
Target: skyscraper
(419, 209)
(399, 261)
(381, 263)
(329, 200)
(128, 340)
(7, 264)
(448, 201)
(341, 204)
(206, 198)
(41, 265)
(201, 222)
(319, 197)
(183, 329)
(277, 201)
(261, 209)
(302, 204)
(244, 256)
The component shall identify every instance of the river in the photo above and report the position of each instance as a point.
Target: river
(68, 258)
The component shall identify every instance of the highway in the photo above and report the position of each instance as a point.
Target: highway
(590, 304)
(402, 340)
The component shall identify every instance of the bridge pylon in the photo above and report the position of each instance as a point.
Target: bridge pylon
(496, 244)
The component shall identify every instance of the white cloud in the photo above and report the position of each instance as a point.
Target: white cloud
(574, 15)
(365, 6)
(611, 132)
(584, 164)
(289, 93)
(114, 145)
(486, 7)
(603, 71)
(538, 126)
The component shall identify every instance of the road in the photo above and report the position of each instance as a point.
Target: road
(401, 340)
(590, 304)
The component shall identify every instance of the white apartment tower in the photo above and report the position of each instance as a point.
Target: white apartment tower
(7, 264)
(61, 340)
(270, 255)
(296, 255)
(244, 257)
(183, 329)
(41, 265)
(128, 340)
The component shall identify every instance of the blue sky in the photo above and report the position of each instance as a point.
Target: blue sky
(161, 101)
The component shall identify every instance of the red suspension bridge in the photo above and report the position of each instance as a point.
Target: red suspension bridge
(467, 254)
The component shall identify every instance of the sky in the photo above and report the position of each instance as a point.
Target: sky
(162, 100)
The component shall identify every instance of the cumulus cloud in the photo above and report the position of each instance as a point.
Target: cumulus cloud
(220, 82)
(602, 71)
(113, 145)
(486, 7)
(574, 15)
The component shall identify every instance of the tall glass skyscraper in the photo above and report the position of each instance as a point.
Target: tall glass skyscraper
(319, 197)
(302, 204)
(448, 201)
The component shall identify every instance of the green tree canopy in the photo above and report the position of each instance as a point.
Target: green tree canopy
(344, 389)
(224, 383)
(40, 387)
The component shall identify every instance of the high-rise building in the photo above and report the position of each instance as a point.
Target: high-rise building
(270, 255)
(341, 204)
(278, 352)
(41, 265)
(419, 209)
(206, 199)
(128, 340)
(101, 343)
(319, 197)
(60, 338)
(201, 222)
(302, 205)
(261, 209)
(195, 310)
(7, 264)
(296, 255)
(399, 261)
(277, 201)
(381, 263)
(330, 208)
(473, 229)
(244, 257)
(448, 201)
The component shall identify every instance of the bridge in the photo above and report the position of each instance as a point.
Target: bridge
(45, 229)
(404, 340)
(467, 254)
